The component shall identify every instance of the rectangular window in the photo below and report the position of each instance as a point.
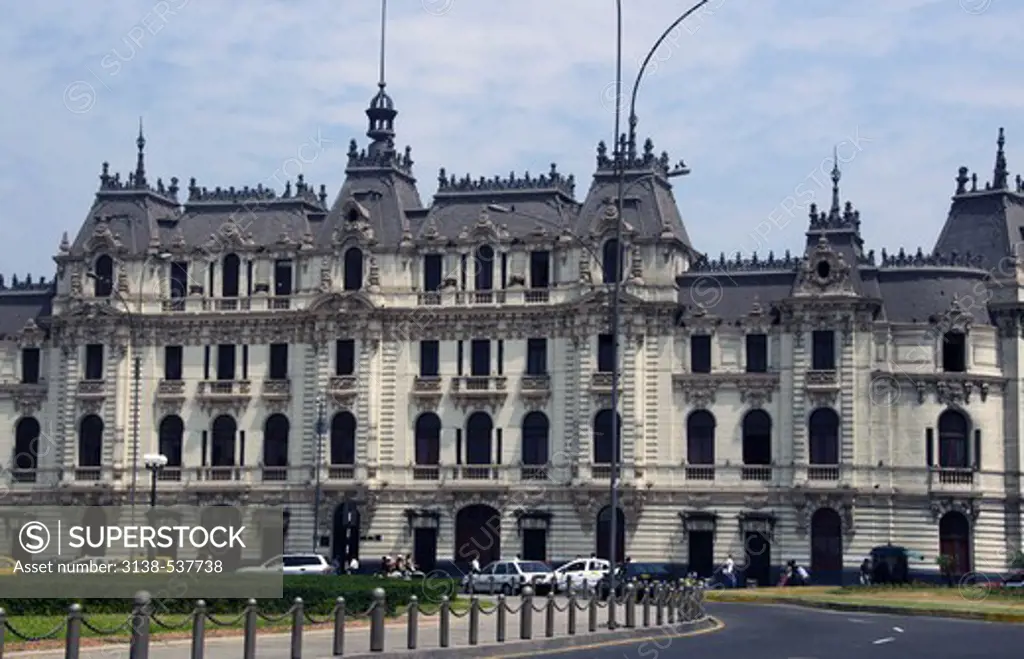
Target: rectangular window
(206, 363)
(173, 362)
(700, 353)
(540, 269)
(278, 361)
(504, 271)
(245, 362)
(501, 357)
(757, 353)
(94, 362)
(954, 352)
(283, 277)
(605, 353)
(480, 358)
(345, 357)
(226, 362)
(179, 279)
(463, 271)
(433, 272)
(460, 357)
(823, 350)
(30, 365)
(536, 356)
(430, 359)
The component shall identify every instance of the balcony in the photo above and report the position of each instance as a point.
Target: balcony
(342, 388)
(533, 472)
(704, 473)
(516, 296)
(277, 391)
(756, 473)
(953, 479)
(279, 303)
(535, 388)
(823, 472)
(601, 383)
(427, 389)
(226, 304)
(426, 472)
(488, 390)
(91, 390)
(237, 392)
(170, 390)
(341, 472)
(824, 381)
(89, 474)
(174, 305)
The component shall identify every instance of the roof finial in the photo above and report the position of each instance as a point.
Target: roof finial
(999, 176)
(836, 175)
(381, 112)
(381, 82)
(140, 165)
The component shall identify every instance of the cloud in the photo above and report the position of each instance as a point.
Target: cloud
(752, 95)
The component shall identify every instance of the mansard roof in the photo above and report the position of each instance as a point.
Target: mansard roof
(24, 303)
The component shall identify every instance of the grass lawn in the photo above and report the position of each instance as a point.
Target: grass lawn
(965, 600)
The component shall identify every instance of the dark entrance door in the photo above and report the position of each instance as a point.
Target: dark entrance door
(955, 541)
(826, 547)
(604, 534)
(758, 550)
(477, 534)
(346, 533)
(424, 549)
(535, 545)
(702, 553)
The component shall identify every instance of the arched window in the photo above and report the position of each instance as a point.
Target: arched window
(275, 441)
(484, 275)
(607, 437)
(611, 261)
(534, 450)
(428, 439)
(353, 269)
(479, 429)
(757, 438)
(103, 276)
(343, 439)
(954, 449)
(823, 431)
(90, 442)
(222, 448)
(169, 439)
(230, 275)
(26, 444)
(700, 438)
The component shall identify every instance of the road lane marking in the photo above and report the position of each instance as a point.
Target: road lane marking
(887, 639)
(858, 621)
(898, 629)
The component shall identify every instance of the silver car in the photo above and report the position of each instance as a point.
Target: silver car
(509, 577)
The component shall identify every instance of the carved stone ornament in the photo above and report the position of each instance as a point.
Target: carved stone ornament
(953, 389)
(809, 504)
(824, 272)
(969, 508)
(31, 335)
(955, 319)
(757, 320)
(103, 239)
(757, 522)
(697, 320)
(588, 504)
(229, 236)
(456, 501)
(701, 389)
(821, 398)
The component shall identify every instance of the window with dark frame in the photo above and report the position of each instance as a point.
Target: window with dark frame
(480, 357)
(757, 353)
(226, 361)
(173, 362)
(700, 353)
(433, 272)
(954, 352)
(605, 353)
(345, 357)
(430, 359)
(283, 277)
(31, 366)
(540, 269)
(536, 356)
(94, 362)
(823, 350)
(278, 361)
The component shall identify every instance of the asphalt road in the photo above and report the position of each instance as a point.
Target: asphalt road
(783, 632)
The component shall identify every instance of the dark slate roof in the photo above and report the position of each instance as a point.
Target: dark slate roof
(21, 302)
(922, 293)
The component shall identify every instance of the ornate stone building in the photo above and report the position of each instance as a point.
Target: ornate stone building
(442, 370)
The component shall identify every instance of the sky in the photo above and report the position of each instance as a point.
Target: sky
(753, 94)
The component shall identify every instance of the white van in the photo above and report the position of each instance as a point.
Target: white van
(581, 571)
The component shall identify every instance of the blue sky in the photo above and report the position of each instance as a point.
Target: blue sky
(753, 94)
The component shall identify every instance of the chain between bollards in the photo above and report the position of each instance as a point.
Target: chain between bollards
(198, 630)
(298, 617)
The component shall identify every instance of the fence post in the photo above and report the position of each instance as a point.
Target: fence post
(377, 620)
(3, 628)
(549, 617)
(339, 627)
(499, 633)
(659, 606)
(74, 632)
(630, 605)
(592, 614)
(139, 648)
(249, 632)
(572, 614)
(612, 606)
(671, 605)
(298, 617)
(526, 614)
(474, 620)
(444, 626)
(413, 622)
(647, 604)
(198, 630)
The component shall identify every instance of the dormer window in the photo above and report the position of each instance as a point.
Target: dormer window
(484, 275)
(611, 261)
(353, 215)
(954, 352)
(354, 269)
(229, 276)
(103, 281)
(283, 277)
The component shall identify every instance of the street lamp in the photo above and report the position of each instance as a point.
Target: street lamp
(621, 150)
(155, 463)
(321, 427)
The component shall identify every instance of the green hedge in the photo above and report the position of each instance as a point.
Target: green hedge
(318, 594)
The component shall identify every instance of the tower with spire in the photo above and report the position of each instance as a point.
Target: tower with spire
(140, 162)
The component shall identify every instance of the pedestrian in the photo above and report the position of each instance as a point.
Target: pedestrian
(729, 571)
(865, 572)
(474, 565)
(353, 565)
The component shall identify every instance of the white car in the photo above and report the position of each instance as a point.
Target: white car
(581, 572)
(509, 577)
(294, 564)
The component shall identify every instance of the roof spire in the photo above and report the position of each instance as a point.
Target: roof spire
(140, 165)
(836, 175)
(381, 112)
(999, 176)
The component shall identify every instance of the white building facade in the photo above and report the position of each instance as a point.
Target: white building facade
(437, 376)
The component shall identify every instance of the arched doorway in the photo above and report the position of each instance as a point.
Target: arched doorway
(605, 436)
(93, 521)
(954, 447)
(275, 448)
(534, 449)
(604, 534)
(222, 516)
(477, 534)
(479, 429)
(757, 445)
(823, 431)
(345, 532)
(827, 546)
(170, 437)
(222, 448)
(955, 541)
(90, 445)
(26, 449)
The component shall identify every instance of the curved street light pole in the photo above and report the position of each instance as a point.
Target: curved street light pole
(621, 151)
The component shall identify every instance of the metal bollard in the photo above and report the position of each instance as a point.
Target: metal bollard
(339, 627)
(198, 630)
(571, 624)
(671, 605)
(249, 634)
(444, 626)
(549, 617)
(298, 617)
(647, 604)
(526, 614)
(139, 648)
(502, 623)
(73, 635)
(377, 620)
(612, 612)
(474, 620)
(659, 605)
(3, 628)
(630, 605)
(413, 621)
(592, 615)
